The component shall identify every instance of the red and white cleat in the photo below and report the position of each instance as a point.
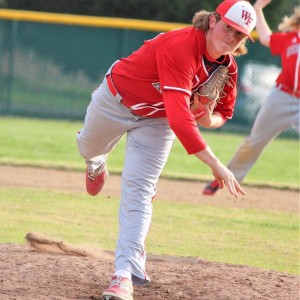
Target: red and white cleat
(120, 288)
(211, 188)
(94, 183)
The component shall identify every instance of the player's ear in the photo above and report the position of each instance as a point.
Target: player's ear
(212, 20)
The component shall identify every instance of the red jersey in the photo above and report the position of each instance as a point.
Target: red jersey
(287, 45)
(159, 78)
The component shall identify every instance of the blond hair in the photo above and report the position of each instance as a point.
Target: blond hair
(201, 22)
(291, 23)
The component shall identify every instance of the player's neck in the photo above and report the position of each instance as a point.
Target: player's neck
(219, 59)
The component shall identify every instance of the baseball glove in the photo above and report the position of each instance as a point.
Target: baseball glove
(213, 87)
(211, 91)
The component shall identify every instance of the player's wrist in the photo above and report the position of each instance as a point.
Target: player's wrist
(211, 121)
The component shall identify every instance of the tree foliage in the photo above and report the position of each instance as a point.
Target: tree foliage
(159, 10)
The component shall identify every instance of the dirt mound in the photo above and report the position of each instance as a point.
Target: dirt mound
(28, 274)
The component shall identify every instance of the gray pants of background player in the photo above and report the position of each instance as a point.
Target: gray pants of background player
(148, 144)
(278, 112)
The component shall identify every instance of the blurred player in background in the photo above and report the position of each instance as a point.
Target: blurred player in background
(280, 110)
(152, 96)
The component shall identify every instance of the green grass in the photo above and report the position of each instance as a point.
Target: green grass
(52, 143)
(239, 236)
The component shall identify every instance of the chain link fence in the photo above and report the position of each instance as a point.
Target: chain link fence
(51, 63)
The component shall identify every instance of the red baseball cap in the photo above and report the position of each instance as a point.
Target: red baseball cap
(238, 14)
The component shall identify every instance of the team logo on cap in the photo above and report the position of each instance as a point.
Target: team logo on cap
(247, 17)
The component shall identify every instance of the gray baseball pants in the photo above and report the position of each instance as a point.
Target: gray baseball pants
(279, 111)
(148, 144)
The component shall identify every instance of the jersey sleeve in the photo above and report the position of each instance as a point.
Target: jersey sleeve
(182, 121)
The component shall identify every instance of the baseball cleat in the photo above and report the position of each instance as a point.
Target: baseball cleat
(120, 288)
(94, 183)
(211, 188)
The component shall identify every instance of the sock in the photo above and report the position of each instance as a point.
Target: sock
(123, 273)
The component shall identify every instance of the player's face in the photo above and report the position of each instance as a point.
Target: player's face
(223, 39)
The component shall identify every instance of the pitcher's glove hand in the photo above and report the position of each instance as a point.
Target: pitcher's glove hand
(210, 93)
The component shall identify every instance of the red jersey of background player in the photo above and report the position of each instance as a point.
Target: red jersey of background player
(287, 45)
(164, 72)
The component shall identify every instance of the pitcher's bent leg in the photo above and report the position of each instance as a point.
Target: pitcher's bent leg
(104, 125)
